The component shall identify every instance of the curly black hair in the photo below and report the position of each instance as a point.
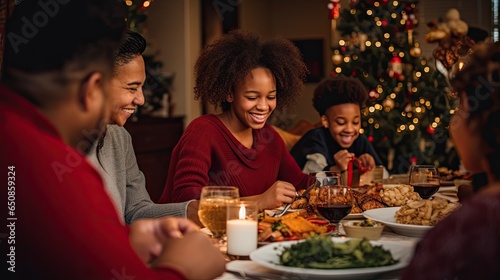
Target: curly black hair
(479, 83)
(227, 61)
(338, 90)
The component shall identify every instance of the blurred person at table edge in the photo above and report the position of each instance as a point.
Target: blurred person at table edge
(338, 100)
(247, 78)
(54, 105)
(465, 245)
(114, 154)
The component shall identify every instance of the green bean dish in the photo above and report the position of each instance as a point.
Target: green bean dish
(321, 252)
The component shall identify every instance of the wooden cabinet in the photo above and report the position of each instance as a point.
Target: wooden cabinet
(153, 140)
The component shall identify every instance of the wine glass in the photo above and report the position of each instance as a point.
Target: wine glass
(212, 210)
(333, 200)
(424, 179)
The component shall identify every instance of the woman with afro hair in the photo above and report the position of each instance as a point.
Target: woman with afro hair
(248, 78)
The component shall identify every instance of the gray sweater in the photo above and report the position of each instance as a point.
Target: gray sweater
(125, 183)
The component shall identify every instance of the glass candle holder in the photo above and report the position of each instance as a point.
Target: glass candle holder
(241, 228)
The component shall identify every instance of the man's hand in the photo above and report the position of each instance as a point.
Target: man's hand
(147, 236)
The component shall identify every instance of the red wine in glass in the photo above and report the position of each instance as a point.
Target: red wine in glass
(425, 190)
(334, 212)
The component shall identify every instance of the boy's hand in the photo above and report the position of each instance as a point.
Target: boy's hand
(342, 159)
(367, 160)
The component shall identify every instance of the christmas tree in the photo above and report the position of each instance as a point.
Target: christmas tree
(157, 87)
(409, 106)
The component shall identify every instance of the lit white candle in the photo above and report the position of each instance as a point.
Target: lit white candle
(241, 235)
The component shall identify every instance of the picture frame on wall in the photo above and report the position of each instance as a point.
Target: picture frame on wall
(312, 53)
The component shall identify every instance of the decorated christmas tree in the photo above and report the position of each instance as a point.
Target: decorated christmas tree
(410, 104)
(157, 87)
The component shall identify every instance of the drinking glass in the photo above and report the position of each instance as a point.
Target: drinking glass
(212, 210)
(334, 202)
(424, 179)
(333, 199)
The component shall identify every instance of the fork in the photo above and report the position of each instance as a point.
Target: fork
(297, 196)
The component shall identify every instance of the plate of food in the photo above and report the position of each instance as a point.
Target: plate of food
(293, 258)
(291, 226)
(387, 217)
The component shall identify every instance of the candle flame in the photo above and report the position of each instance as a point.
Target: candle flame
(242, 212)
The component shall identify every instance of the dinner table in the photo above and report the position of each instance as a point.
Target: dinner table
(248, 269)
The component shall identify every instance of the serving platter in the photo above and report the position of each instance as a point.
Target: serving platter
(386, 216)
(268, 256)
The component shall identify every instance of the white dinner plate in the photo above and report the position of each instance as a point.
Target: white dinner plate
(354, 216)
(268, 256)
(386, 216)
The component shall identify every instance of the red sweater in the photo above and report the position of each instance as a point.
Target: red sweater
(62, 223)
(209, 154)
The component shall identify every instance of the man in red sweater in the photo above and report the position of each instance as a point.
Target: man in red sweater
(60, 223)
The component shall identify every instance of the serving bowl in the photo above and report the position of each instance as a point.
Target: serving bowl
(363, 228)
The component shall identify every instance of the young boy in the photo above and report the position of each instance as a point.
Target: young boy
(338, 101)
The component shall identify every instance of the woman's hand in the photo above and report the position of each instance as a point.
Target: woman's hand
(278, 194)
(367, 160)
(342, 159)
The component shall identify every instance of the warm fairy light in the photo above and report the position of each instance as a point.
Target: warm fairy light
(361, 131)
(365, 74)
(391, 48)
(376, 126)
(437, 119)
(401, 54)
(428, 104)
(423, 62)
(355, 57)
(426, 69)
(380, 89)
(376, 4)
(418, 109)
(378, 23)
(410, 115)
(413, 6)
(415, 120)
(369, 12)
(411, 127)
(398, 130)
(402, 127)
(452, 111)
(402, 22)
(341, 42)
(421, 100)
(146, 4)
(395, 3)
(387, 35)
(378, 106)
(378, 44)
(353, 11)
(393, 95)
(371, 109)
(128, 3)
(418, 74)
(368, 43)
(347, 59)
(414, 89)
(403, 113)
(394, 15)
(338, 70)
(370, 120)
(434, 125)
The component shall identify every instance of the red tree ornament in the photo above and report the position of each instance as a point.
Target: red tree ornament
(395, 67)
(334, 7)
